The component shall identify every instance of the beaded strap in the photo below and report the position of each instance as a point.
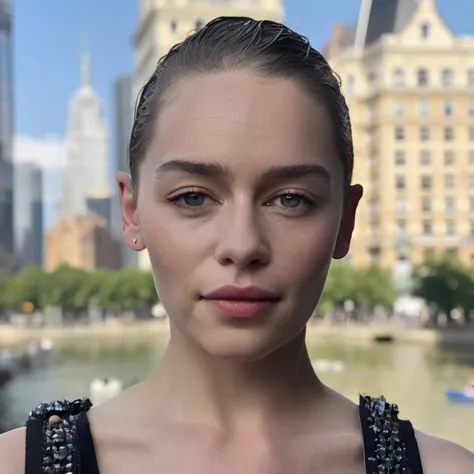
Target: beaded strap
(60, 454)
(385, 448)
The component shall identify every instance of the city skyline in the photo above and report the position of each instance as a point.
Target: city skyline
(112, 56)
(110, 46)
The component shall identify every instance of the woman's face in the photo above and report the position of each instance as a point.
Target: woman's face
(241, 186)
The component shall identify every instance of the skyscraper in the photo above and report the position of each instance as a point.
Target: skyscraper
(6, 132)
(123, 114)
(87, 170)
(123, 120)
(28, 199)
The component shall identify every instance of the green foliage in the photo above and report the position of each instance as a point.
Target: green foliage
(366, 287)
(74, 290)
(446, 284)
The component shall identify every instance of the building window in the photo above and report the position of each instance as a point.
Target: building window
(425, 158)
(401, 226)
(401, 205)
(398, 77)
(423, 108)
(425, 30)
(471, 134)
(470, 78)
(174, 26)
(449, 181)
(471, 158)
(424, 134)
(449, 134)
(472, 227)
(422, 77)
(371, 111)
(471, 181)
(471, 204)
(450, 227)
(199, 24)
(470, 110)
(449, 158)
(400, 182)
(399, 134)
(427, 227)
(448, 108)
(450, 205)
(426, 182)
(426, 204)
(399, 108)
(399, 157)
(447, 77)
(371, 77)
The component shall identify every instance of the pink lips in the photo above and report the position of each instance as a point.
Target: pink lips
(245, 303)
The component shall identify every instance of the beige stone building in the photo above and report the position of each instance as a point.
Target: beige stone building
(409, 82)
(82, 241)
(164, 23)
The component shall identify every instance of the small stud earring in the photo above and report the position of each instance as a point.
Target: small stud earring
(135, 241)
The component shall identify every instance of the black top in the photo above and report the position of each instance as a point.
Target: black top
(64, 444)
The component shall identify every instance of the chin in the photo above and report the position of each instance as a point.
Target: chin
(240, 344)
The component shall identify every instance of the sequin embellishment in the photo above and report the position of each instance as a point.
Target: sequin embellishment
(60, 454)
(390, 453)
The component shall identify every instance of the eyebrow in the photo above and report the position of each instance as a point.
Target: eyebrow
(206, 170)
(297, 171)
(217, 171)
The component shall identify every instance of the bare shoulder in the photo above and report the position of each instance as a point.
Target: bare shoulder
(440, 456)
(12, 451)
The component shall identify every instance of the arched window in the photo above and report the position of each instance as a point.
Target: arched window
(399, 77)
(425, 30)
(422, 77)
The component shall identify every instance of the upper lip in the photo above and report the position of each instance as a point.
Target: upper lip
(248, 293)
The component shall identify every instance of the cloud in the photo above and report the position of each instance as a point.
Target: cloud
(48, 152)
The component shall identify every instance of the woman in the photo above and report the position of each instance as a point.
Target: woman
(241, 162)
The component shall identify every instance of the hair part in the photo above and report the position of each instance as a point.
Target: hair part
(265, 48)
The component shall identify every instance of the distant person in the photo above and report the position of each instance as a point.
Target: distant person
(241, 162)
(470, 386)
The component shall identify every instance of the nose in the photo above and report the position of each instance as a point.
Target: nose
(242, 239)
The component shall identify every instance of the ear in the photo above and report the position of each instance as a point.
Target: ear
(347, 223)
(130, 224)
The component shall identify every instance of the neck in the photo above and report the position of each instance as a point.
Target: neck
(196, 386)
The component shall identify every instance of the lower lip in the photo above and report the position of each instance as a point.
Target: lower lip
(243, 309)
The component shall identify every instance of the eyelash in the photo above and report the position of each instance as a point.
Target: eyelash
(306, 200)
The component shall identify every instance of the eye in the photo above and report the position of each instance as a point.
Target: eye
(190, 199)
(291, 201)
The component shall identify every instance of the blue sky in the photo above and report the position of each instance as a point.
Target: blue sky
(49, 37)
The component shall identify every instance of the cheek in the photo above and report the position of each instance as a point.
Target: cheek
(306, 252)
(174, 248)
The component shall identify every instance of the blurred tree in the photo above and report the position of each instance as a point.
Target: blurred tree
(373, 287)
(73, 289)
(26, 286)
(367, 287)
(65, 288)
(445, 284)
(4, 282)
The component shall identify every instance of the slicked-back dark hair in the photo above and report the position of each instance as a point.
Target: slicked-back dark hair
(265, 48)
